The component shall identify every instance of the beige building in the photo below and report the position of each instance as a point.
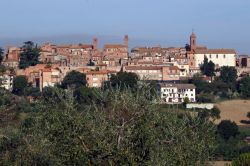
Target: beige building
(49, 77)
(158, 73)
(97, 78)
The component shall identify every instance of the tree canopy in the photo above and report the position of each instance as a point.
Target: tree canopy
(74, 79)
(227, 129)
(208, 68)
(228, 75)
(19, 85)
(29, 55)
(124, 79)
(245, 87)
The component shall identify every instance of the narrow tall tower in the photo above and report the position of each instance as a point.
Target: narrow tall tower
(95, 42)
(126, 40)
(193, 41)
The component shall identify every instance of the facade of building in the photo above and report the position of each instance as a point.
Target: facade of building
(176, 93)
(12, 57)
(157, 73)
(49, 77)
(97, 78)
(6, 81)
(244, 61)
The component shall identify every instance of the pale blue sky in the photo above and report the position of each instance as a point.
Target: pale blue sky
(217, 23)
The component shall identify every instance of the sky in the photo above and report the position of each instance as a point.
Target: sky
(217, 23)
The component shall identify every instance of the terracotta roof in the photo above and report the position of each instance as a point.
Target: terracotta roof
(180, 86)
(64, 46)
(81, 46)
(47, 70)
(215, 51)
(99, 72)
(114, 46)
(143, 67)
(101, 64)
(174, 68)
(185, 86)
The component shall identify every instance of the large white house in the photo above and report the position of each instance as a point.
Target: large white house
(176, 93)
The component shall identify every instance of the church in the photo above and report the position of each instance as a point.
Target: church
(220, 57)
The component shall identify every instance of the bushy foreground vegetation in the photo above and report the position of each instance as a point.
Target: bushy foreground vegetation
(116, 127)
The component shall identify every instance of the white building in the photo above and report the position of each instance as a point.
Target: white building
(220, 57)
(176, 93)
(6, 81)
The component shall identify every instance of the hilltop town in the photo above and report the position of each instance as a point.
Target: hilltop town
(166, 66)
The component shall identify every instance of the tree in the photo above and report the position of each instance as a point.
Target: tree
(1, 55)
(85, 95)
(74, 79)
(245, 87)
(229, 76)
(208, 68)
(200, 84)
(2, 69)
(248, 115)
(186, 101)
(124, 79)
(32, 91)
(215, 113)
(227, 129)
(29, 56)
(242, 160)
(19, 85)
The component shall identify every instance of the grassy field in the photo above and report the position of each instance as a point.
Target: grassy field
(220, 163)
(234, 110)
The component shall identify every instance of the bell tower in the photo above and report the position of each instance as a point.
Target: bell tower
(193, 41)
(126, 40)
(95, 42)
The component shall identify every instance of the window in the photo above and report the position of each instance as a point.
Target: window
(217, 56)
(224, 56)
(210, 56)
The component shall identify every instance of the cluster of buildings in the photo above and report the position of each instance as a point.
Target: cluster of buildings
(166, 65)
